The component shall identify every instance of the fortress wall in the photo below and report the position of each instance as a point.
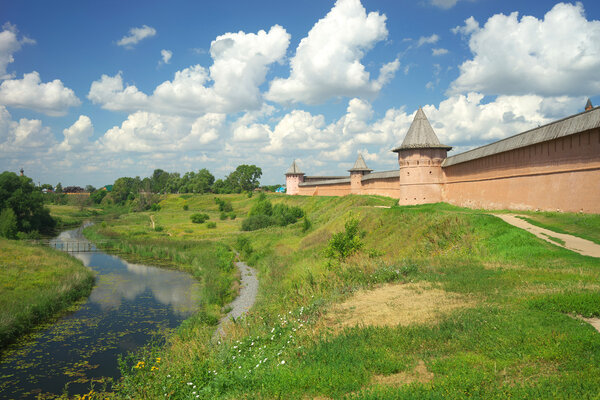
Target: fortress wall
(389, 187)
(341, 189)
(560, 174)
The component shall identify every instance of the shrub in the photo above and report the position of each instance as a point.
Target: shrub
(224, 205)
(306, 224)
(158, 228)
(223, 216)
(232, 215)
(186, 207)
(343, 244)
(257, 222)
(211, 225)
(244, 246)
(155, 207)
(199, 218)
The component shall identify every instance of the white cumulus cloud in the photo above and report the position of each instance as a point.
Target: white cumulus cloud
(77, 136)
(166, 55)
(23, 137)
(327, 62)
(136, 35)
(9, 44)
(427, 40)
(554, 56)
(240, 64)
(51, 98)
(439, 52)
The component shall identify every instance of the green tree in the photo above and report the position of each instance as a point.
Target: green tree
(343, 244)
(124, 189)
(244, 178)
(27, 203)
(58, 188)
(8, 224)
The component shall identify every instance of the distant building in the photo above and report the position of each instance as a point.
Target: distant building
(108, 188)
(551, 167)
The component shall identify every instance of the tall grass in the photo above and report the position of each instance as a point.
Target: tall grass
(36, 283)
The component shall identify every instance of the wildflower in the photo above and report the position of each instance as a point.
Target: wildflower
(158, 359)
(282, 362)
(190, 383)
(154, 368)
(168, 376)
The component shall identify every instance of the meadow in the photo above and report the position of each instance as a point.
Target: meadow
(439, 302)
(36, 284)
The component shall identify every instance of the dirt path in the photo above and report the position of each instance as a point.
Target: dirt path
(573, 243)
(246, 298)
(152, 220)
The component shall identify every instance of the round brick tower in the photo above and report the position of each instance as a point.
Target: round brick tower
(293, 177)
(420, 157)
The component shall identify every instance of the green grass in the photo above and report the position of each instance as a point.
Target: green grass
(517, 340)
(586, 226)
(69, 215)
(36, 283)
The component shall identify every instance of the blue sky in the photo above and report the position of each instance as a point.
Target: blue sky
(91, 91)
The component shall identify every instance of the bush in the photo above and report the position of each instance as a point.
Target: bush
(223, 216)
(257, 222)
(155, 207)
(158, 228)
(343, 244)
(211, 225)
(186, 207)
(224, 205)
(244, 246)
(232, 215)
(199, 218)
(306, 224)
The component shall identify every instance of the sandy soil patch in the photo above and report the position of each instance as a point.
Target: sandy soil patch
(394, 304)
(418, 374)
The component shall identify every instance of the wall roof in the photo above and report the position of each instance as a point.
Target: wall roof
(564, 127)
(382, 175)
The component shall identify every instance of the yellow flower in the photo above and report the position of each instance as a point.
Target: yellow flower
(154, 368)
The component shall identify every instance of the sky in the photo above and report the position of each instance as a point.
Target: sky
(94, 91)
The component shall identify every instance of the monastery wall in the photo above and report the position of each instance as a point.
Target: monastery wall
(341, 188)
(561, 174)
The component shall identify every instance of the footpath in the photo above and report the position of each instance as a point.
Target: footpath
(573, 243)
(244, 301)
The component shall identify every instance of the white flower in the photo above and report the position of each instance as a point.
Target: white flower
(282, 362)
(190, 383)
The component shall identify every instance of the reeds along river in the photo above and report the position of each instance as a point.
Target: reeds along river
(128, 306)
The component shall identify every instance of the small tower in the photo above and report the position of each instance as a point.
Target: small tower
(588, 105)
(420, 157)
(293, 177)
(356, 173)
(22, 172)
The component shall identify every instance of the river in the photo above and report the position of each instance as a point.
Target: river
(128, 306)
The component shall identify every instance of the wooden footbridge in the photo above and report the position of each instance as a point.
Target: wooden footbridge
(74, 245)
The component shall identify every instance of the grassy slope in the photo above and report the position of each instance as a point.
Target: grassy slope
(35, 283)
(586, 226)
(518, 340)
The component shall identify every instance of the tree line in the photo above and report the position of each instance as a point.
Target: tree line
(245, 178)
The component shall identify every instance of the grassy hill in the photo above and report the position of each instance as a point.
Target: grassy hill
(440, 302)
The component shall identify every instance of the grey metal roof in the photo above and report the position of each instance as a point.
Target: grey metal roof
(326, 182)
(564, 127)
(420, 135)
(323, 177)
(293, 169)
(382, 175)
(360, 165)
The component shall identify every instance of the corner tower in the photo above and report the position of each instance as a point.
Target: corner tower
(420, 158)
(293, 177)
(356, 173)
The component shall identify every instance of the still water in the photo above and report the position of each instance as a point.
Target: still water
(128, 306)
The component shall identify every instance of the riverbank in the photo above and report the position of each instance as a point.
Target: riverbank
(36, 284)
(500, 326)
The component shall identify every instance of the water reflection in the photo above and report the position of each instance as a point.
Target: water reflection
(128, 305)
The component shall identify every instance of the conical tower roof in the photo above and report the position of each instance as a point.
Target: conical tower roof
(420, 135)
(360, 165)
(588, 105)
(294, 170)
